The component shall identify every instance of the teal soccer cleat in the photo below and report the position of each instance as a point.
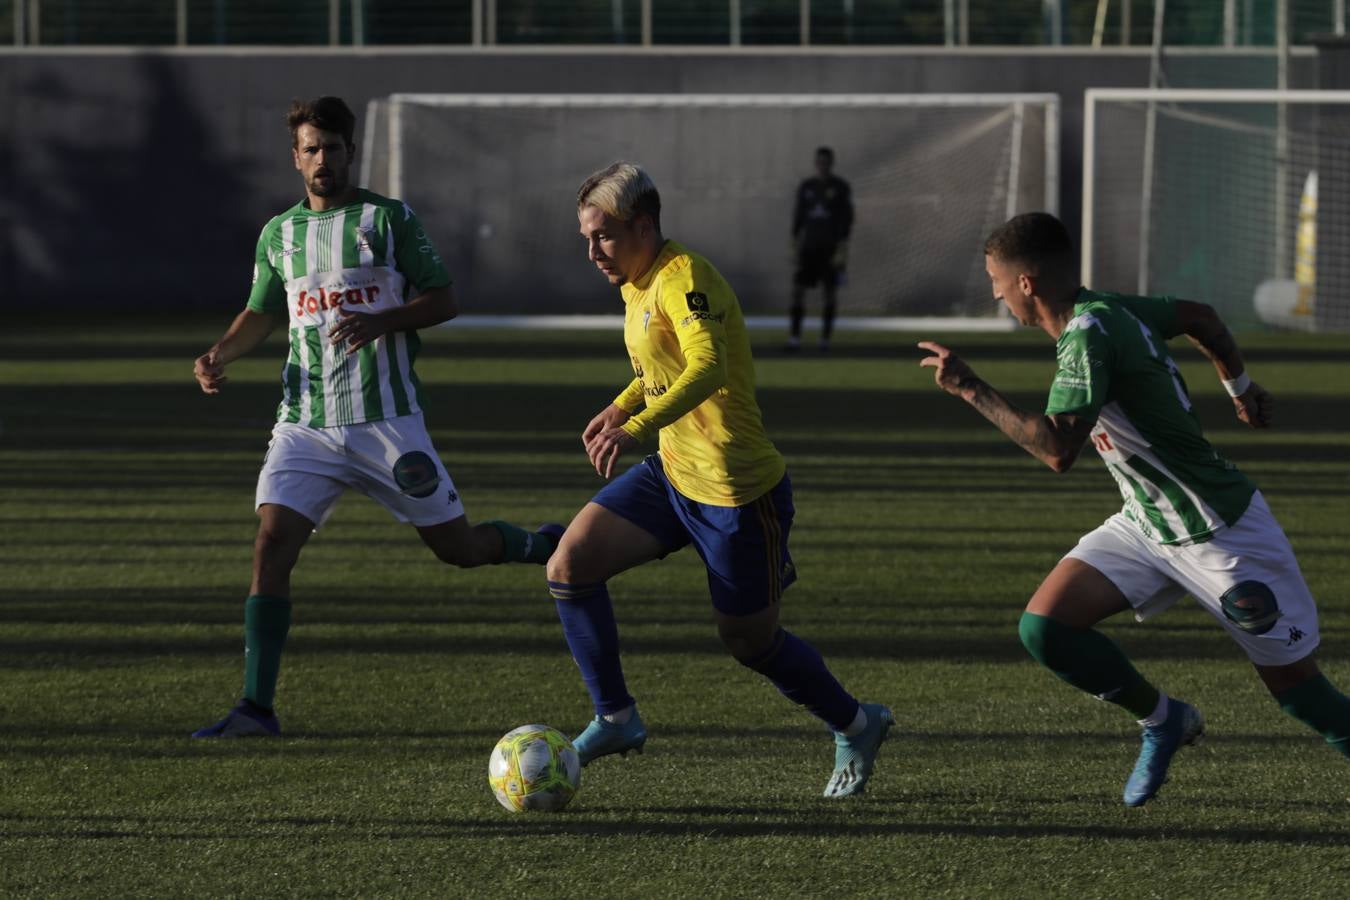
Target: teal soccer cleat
(855, 756)
(601, 738)
(1184, 725)
(245, 720)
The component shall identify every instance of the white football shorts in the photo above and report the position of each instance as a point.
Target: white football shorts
(307, 469)
(1154, 576)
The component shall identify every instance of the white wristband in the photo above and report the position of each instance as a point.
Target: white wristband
(1236, 387)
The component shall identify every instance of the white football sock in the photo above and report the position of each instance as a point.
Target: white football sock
(1159, 714)
(855, 727)
(621, 717)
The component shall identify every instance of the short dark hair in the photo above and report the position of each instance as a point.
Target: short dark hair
(324, 113)
(1035, 239)
(825, 151)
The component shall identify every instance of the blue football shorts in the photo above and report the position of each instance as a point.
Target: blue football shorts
(745, 548)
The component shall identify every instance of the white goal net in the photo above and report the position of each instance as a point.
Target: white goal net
(1238, 198)
(494, 177)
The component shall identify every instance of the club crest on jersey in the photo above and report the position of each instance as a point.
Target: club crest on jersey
(363, 238)
(698, 301)
(1085, 321)
(646, 318)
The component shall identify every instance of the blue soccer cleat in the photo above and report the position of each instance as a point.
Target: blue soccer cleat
(601, 738)
(855, 756)
(1184, 725)
(245, 720)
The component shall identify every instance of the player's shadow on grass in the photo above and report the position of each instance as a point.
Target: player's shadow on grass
(863, 817)
(76, 652)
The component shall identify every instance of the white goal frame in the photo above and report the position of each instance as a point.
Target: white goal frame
(1050, 102)
(1154, 96)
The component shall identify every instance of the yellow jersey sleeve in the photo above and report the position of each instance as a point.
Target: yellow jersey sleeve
(630, 398)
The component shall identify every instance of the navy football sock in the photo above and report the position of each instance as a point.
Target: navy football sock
(796, 669)
(593, 636)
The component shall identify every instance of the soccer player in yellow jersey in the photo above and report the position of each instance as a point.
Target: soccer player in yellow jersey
(716, 482)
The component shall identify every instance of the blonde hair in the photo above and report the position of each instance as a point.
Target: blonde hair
(622, 190)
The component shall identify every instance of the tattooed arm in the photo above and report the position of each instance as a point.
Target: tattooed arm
(1054, 440)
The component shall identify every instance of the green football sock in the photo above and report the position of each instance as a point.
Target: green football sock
(266, 621)
(519, 545)
(1088, 660)
(1317, 704)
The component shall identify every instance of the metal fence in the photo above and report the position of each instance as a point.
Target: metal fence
(1230, 23)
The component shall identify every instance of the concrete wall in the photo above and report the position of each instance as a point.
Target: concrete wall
(142, 177)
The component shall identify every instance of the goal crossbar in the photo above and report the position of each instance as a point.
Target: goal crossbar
(1049, 101)
(775, 100)
(1018, 131)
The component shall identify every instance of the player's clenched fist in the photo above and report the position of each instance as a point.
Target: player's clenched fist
(949, 371)
(210, 372)
(611, 416)
(606, 447)
(1255, 406)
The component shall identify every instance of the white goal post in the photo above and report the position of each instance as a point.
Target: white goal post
(493, 178)
(1238, 198)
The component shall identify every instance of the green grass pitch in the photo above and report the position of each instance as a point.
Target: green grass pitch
(126, 528)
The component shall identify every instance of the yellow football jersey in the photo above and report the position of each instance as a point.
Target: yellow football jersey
(686, 338)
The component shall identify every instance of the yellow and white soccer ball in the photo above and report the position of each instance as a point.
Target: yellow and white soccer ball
(534, 767)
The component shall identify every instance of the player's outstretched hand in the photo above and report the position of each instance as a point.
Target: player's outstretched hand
(949, 371)
(356, 329)
(209, 372)
(1255, 406)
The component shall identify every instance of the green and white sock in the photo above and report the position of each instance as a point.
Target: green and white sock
(1090, 661)
(1317, 704)
(519, 545)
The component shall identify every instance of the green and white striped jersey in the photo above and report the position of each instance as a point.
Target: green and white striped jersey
(1114, 367)
(371, 254)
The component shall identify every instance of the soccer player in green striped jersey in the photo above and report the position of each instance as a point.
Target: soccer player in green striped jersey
(354, 276)
(1191, 524)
